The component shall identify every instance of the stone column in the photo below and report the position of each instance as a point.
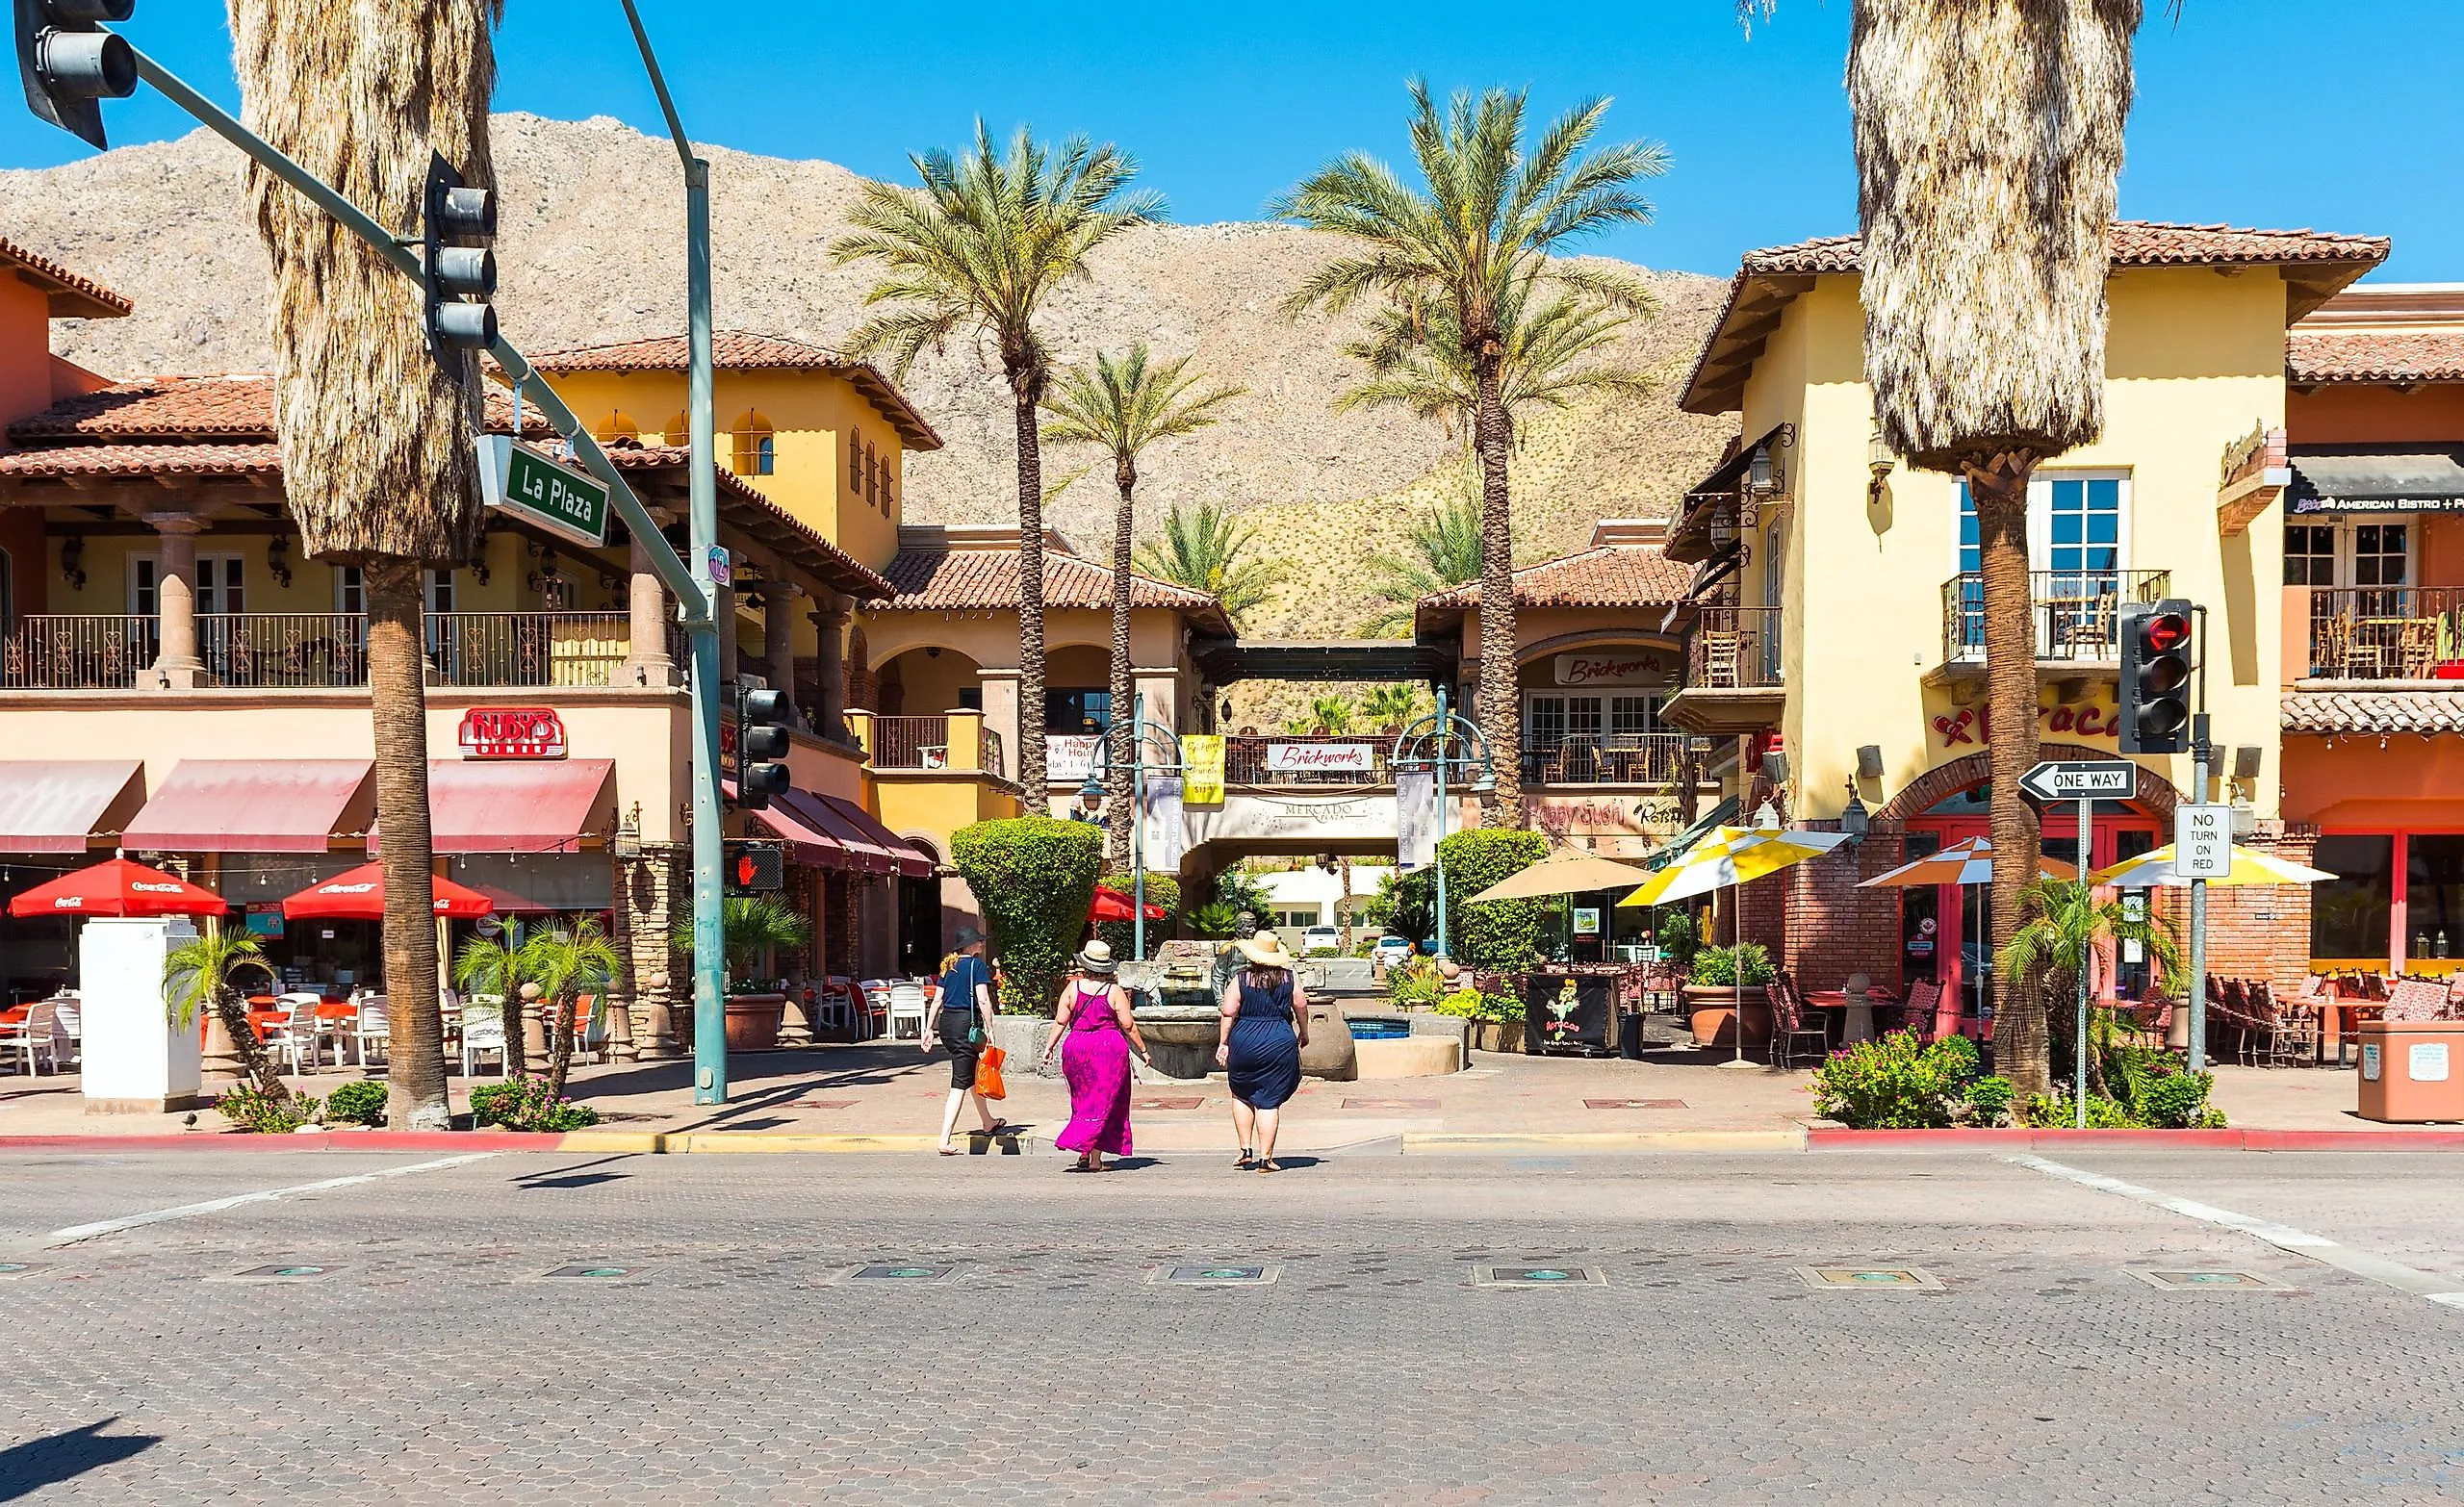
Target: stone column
(175, 597)
(778, 639)
(652, 889)
(830, 620)
(648, 662)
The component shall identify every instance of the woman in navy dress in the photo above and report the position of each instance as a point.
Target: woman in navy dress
(1264, 1025)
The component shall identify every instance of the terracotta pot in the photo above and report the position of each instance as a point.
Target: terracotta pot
(1714, 1013)
(1510, 1037)
(754, 1021)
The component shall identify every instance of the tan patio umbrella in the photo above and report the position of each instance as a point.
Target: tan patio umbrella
(1966, 862)
(1568, 873)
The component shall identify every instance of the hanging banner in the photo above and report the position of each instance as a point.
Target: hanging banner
(1415, 820)
(1202, 769)
(1161, 812)
(1070, 757)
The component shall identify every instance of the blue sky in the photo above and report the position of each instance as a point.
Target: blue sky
(2254, 111)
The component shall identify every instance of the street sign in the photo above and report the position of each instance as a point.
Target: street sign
(2082, 779)
(2203, 841)
(722, 569)
(518, 478)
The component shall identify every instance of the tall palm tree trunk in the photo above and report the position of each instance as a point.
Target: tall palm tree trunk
(398, 700)
(1500, 714)
(560, 1042)
(1026, 386)
(1118, 791)
(2001, 494)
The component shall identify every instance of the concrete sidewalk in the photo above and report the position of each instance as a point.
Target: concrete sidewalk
(887, 1097)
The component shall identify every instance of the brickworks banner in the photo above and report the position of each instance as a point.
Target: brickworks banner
(1614, 667)
(1297, 758)
(1202, 769)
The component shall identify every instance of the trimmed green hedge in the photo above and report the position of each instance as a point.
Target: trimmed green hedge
(1034, 879)
(1162, 889)
(1502, 935)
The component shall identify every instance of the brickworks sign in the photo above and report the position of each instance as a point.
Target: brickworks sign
(512, 733)
(1285, 758)
(1614, 667)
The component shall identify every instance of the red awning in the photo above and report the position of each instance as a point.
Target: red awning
(516, 805)
(256, 806)
(907, 860)
(830, 814)
(808, 842)
(119, 887)
(55, 805)
(1111, 905)
(359, 895)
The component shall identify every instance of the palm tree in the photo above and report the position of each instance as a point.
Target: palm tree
(981, 246)
(204, 975)
(492, 965)
(1125, 405)
(377, 465)
(1332, 714)
(1204, 549)
(1471, 240)
(1391, 706)
(1415, 355)
(1989, 139)
(565, 960)
(755, 924)
(1441, 551)
(2064, 921)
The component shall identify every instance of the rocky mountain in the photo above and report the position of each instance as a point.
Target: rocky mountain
(591, 249)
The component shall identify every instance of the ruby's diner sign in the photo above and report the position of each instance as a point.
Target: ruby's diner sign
(512, 733)
(1614, 667)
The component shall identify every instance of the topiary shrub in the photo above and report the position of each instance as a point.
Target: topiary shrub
(1162, 889)
(362, 1103)
(1034, 879)
(1500, 934)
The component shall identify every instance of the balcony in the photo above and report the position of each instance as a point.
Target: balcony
(1640, 758)
(1732, 674)
(2377, 633)
(272, 651)
(2076, 614)
(908, 743)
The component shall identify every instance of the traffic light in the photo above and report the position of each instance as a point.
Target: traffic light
(69, 64)
(2155, 691)
(756, 868)
(762, 719)
(456, 278)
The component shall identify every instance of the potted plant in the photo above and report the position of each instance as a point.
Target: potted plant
(1727, 990)
(754, 926)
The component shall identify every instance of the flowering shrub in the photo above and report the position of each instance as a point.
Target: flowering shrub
(362, 1103)
(255, 1110)
(523, 1104)
(1895, 1081)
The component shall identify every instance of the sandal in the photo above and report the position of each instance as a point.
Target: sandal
(947, 1151)
(1270, 1165)
(1243, 1162)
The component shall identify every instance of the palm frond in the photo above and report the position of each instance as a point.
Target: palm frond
(1205, 549)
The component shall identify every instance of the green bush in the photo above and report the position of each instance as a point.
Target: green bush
(2179, 1101)
(1162, 889)
(2057, 1111)
(1989, 1100)
(1473, 1005)
(1416, 982)
(1717, 967)
(362, 1103)
(1892, 1083)
(1216, 919)
(1959, 1060)
(523, 1104)
(1034, 879)
(1500, 934)
(255, 1110)
(1675, 937)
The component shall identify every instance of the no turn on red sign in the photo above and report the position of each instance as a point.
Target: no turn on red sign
(2203, 841)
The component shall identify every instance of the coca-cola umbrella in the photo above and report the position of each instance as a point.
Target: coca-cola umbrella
(1111, 905)
(359, 895)
(119, 887)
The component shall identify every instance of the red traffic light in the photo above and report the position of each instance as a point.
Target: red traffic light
(2166, 631)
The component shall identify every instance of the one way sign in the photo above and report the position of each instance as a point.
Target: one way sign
(2082, 779)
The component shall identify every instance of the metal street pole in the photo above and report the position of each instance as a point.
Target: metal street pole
(701, 539)
(2086, 952)
(1444, 719)
(2198, 1052)
(1137, 826)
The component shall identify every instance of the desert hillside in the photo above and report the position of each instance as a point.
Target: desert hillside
(591, 250)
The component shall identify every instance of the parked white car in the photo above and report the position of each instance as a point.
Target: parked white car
(1319, 938)
(1391, 951)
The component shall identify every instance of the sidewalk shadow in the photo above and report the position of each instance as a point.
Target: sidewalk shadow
(27, 1467)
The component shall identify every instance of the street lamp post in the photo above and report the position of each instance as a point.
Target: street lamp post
(1139, 731)
(1429, 741)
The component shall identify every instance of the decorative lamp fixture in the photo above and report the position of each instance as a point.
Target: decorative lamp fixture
(1878, 456)
(278, 559)
(1853, 819)
(72, 558)
(628, 834)
(1758, 475)
(1485, 785)
(547, 580)
(1094, 788)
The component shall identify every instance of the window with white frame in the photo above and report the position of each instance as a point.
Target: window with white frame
(2078, 527)
(2333, 552)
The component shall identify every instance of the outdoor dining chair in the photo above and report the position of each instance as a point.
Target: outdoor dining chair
(907, 1007)
(483, 1033)
(32, 1040)
(370, 1026)
(301, 1035)
(1795, 1027)
(1919, 1014)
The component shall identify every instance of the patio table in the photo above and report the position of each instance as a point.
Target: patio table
(1857, 1017)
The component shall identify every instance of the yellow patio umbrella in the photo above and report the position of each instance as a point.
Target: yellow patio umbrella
(2155, 868)
(1726, 858)
(1963, 863)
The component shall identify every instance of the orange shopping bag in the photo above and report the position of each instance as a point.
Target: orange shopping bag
(987, 1072)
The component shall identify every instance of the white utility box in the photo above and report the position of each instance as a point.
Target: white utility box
(136, 1061)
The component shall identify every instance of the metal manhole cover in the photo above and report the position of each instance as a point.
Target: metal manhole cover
(1870, 1279)
(1225, 1275)
(1390, 1103)
(592, 1272)
(901, 1272)
(1170, 1104)
(2181, 1279)
(11, 1270)
(1539, 1277)
(279, 1273)
(1634, 1104)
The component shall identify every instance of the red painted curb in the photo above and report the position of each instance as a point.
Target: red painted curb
(2050, 1139)
(2353, 1141)
(324, 1140)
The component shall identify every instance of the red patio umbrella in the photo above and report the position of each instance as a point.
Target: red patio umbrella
(119, 887)
(359, 895)
(1111, 905)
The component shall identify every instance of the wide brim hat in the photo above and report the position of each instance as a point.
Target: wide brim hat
(1266, 950)
(1096, 957)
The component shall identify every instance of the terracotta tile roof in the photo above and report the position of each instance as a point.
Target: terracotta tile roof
(1613, 576)
(742, 350)
(223, 405)
(2383, 356)
(742, 507)
(987, 580)
(73, 295)
(144, 460)
(2374, 711)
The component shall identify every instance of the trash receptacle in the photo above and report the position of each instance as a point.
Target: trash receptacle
(1629, 1035)
(2412, 1071)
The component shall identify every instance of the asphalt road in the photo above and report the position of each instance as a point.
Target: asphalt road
(732, 1354)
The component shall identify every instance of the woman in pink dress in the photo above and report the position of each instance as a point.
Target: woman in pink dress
(1094, 1033)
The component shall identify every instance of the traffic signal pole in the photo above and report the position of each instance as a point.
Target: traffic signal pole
(2196, 1058)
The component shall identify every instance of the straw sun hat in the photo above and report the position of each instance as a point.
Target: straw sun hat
(1265, 950)
(1096, 959)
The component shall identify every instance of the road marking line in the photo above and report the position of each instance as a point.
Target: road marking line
(86, 1232)
(2300, 1242)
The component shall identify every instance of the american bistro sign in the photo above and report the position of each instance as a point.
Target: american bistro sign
(512, 733)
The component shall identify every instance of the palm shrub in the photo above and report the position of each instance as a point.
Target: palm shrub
(752, 926)
(2062, 920)
(1746, 965)
(1162, 889)
(1500, 934)
(572, 956)
(1388, 707)
(202, 975)
(1034, 879)
(492, 966)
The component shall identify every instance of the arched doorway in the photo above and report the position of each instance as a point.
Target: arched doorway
(1945, 931)
(920, 922)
